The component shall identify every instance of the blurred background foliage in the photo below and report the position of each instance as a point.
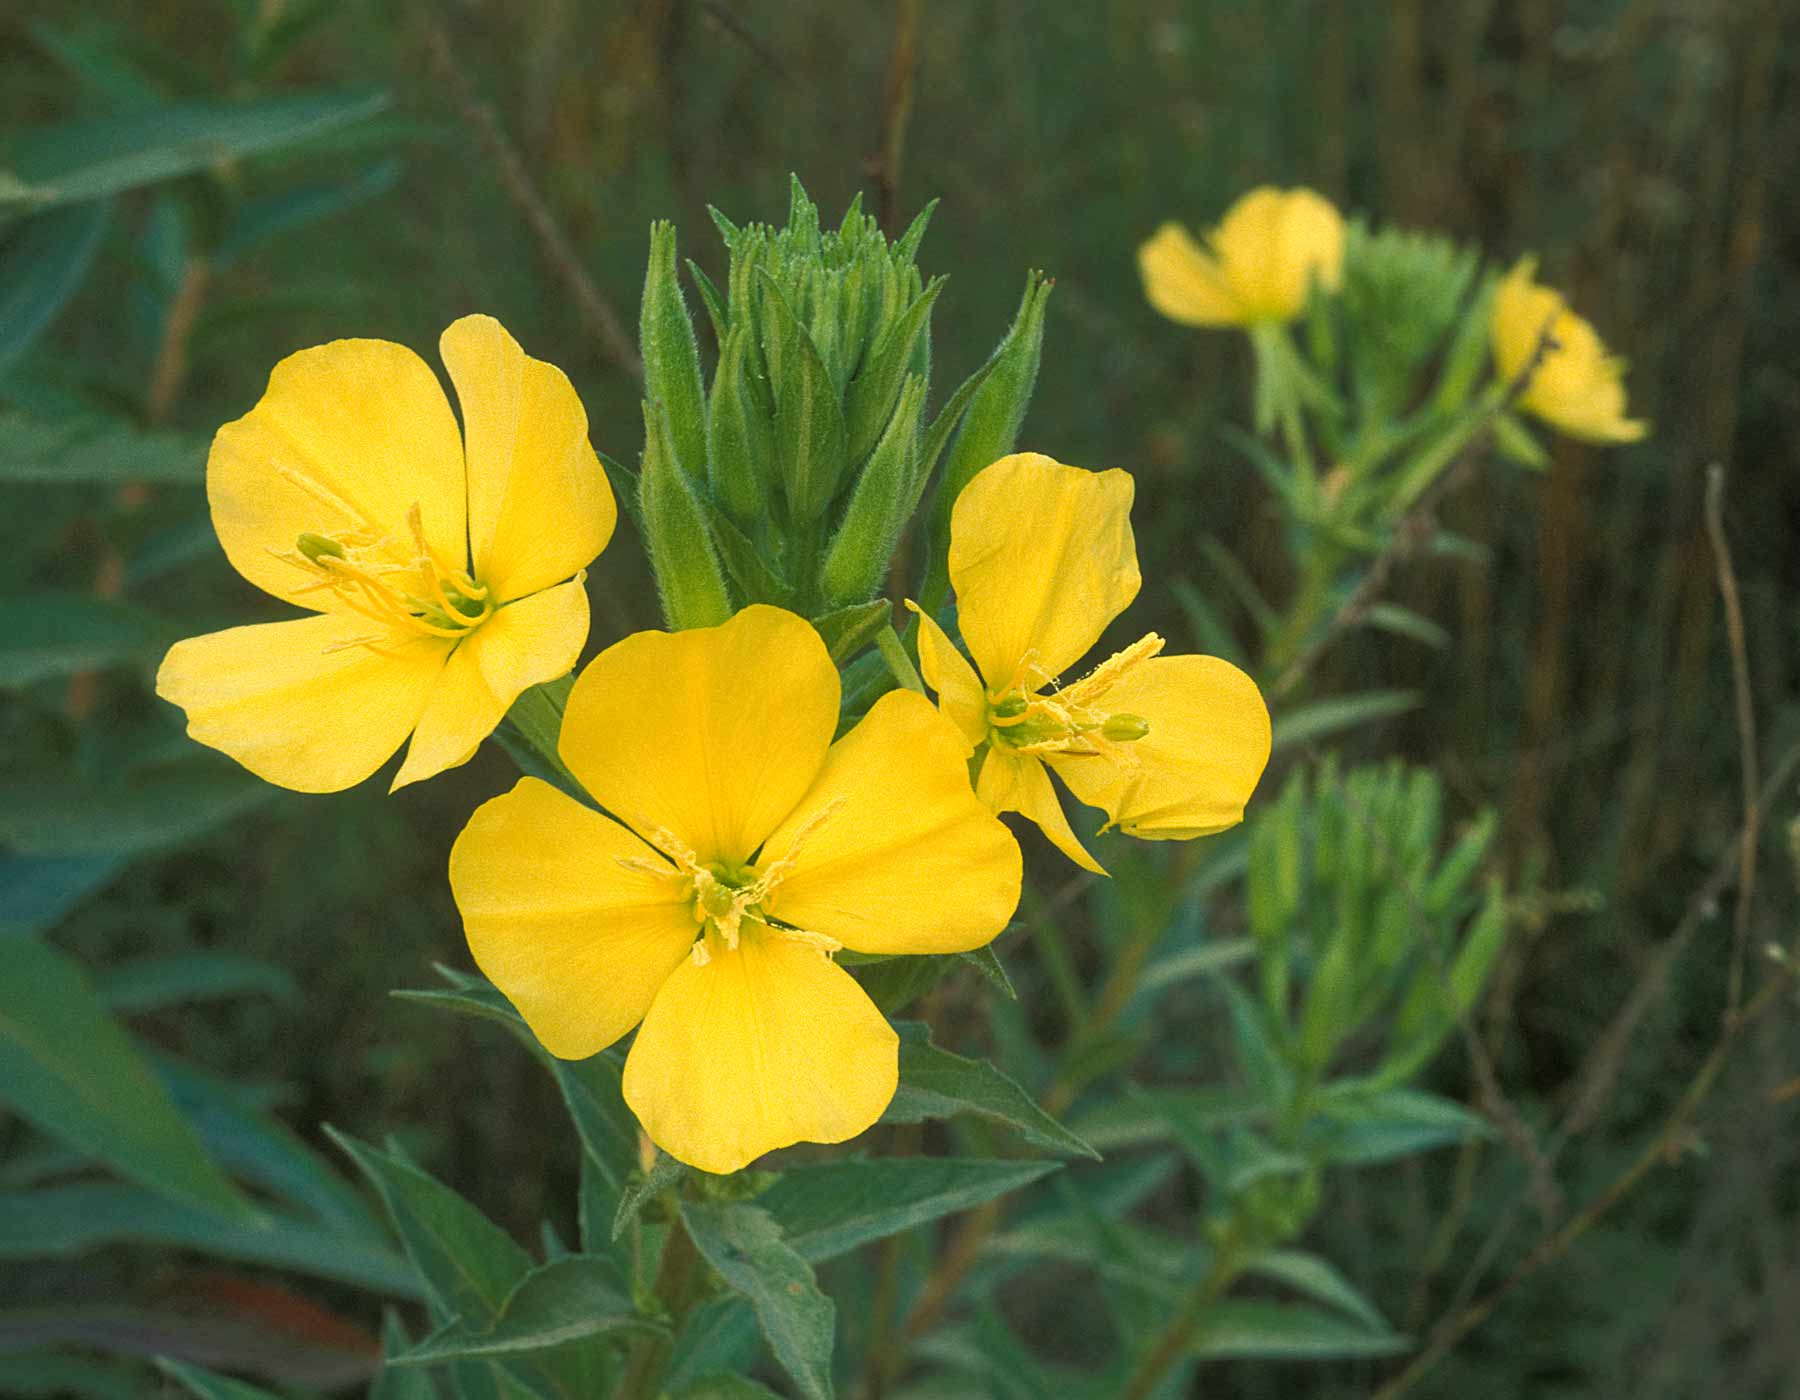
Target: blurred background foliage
(1571, 698)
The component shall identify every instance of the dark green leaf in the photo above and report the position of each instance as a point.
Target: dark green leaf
(42, 264)
(570, 1300)
(83, 450)
(985, 961)
(1320, 1280)
(36, 891)
(1306, 723)
(1246, 1329)
(719, 1335)
(937, 1084)
(1360, 1129)
(664, 1172)
(73, 161)
(67, 1067)
(828, 1210)
(209, 1386)
(72, 1219)
(725, 1387)
(848, 630)
(398, 1382)
(44, 635)
(157, 980)
(468, 1263)
(744, 1245)
(67, 816)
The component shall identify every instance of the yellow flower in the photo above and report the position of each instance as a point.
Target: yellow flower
(1262, 258)
(744, 847)
(1042, 559)
(437, 574)
(1577, 387)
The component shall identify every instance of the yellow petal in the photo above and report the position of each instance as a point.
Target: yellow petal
(1575, 386)
(523, 644)
(766, 1045)
(1042, 558)
(539, 505)
(348, 438)
(1196, 768)
(1014, 782)
(713, 733)
(958, 688)
(895, 854)
(295, 703)
(1270, 245)
(1183, 281)
(578, 942)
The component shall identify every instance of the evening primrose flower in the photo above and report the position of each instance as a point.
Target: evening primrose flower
(743, 849)
(443, 569)
(1042, 559)
(1577, 387)
(1258, 263)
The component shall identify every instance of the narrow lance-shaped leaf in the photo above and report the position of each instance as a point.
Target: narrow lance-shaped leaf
(744, 1246)
(677, 536)
(937, 1084)
(671, 356)
(830, 1209)
(42, 264)
(68, 1068)
(569, 1300)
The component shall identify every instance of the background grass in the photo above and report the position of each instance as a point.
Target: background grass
(1643, 148)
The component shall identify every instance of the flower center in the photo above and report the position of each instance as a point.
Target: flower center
(1072, 719)
(728, 896)
(405, 588)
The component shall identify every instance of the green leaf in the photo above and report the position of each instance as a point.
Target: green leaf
(725, 1387)
(263, 219)
(209, 1386)
(36, 891)
(848, 630)
(1144, 1116)
(468, 1263)
(828, 1210)
(1194, 962)
(1320, 1280)
(570, 1300)
(43, 262)
(81, 451)
(44, 635)
(57, 1375)
(985, 961)
(61, 815)
(1360, 1129)
(81, 1216)
(664, 1172)
(744, 1246)
(398, 1382)
(74, 161)
(68, 1068)
(719, 1335)
(937, 1084)
(159, 980)
(1252, 1330)
(257, 1148)
(1305, 723)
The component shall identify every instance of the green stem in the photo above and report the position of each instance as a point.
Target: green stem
(680, 1280)
(1308, 607)
(893, 651)
(1227, 1263)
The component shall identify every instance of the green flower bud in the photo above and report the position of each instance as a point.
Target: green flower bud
(740, 431)
(878, 511)
(671, 358)
(677, 536)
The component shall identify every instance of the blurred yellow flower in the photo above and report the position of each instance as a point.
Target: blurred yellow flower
(1577, 388)
(1257, 266)
(435, 562)
(1042, 559)
(747, 847)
